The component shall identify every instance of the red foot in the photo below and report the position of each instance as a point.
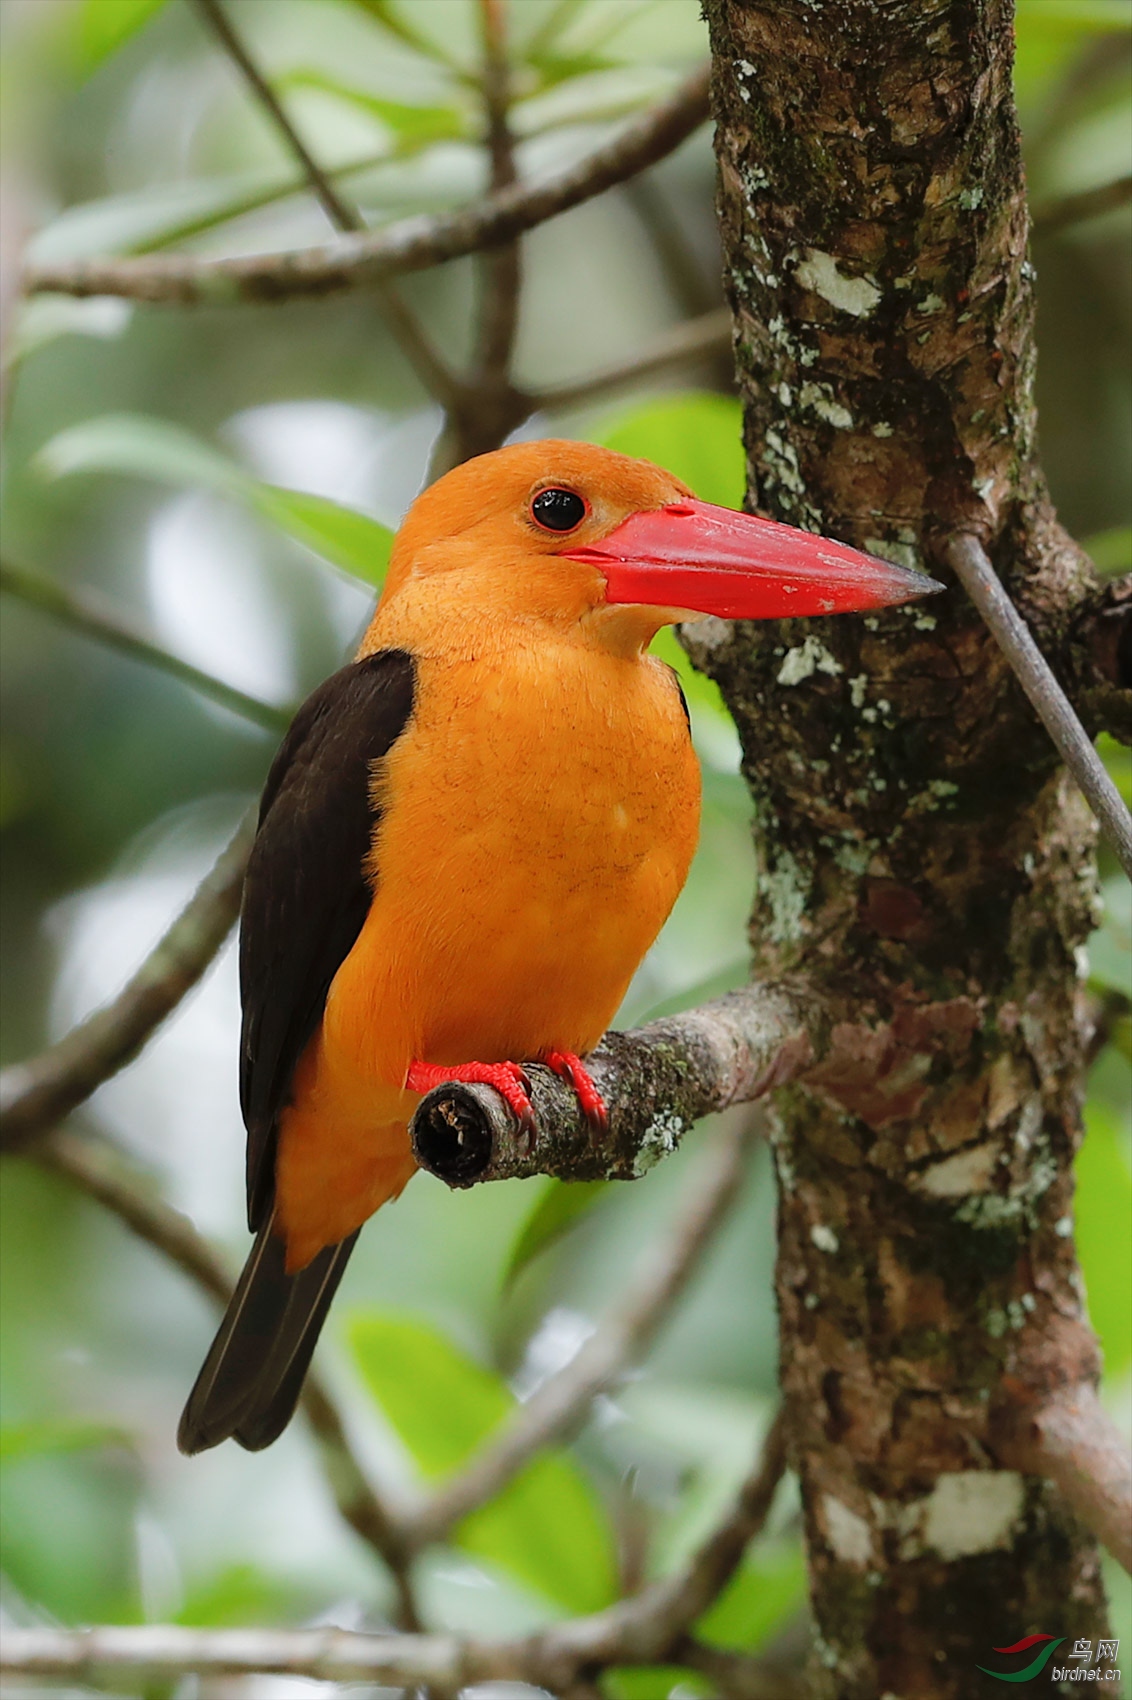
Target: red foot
(507, 1078)
(590, 1100)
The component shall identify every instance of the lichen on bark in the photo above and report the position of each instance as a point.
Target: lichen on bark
(922, 859)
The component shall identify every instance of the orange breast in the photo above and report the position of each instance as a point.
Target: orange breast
(539, 816)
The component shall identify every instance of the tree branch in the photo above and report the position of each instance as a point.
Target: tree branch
(36, 1094)
(969, 559)
(643, 1629)
(1072, 1442)
(1058, 215)
(499, 307)
(85, 612)
(657, 1082)
(412, 244)
(562, 1402)
(436, 1664)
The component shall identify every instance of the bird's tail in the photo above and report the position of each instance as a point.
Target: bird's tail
(251, 1379)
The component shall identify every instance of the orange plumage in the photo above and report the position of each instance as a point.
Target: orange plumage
(539, 815)
(467, 841)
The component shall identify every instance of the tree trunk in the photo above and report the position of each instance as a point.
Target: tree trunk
(923, 860)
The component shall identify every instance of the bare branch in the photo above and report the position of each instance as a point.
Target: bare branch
(36, 1094)
(412, 244)
(657, 1082)
(108, 1176)
(969, 559)
(85, 612)
(437, 1664)
(562, 1402)
(1058, 215)
(1073, 1442)
(499, 307)
(692, 340)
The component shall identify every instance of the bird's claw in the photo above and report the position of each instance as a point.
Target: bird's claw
(507, 1078)
(571, 1068)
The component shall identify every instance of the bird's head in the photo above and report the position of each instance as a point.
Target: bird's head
(568, 532)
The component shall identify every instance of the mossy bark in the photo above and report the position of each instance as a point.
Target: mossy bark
(923, 860)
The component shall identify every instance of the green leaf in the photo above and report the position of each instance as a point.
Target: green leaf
(240, 1595)
(1102, 1210)
(1049, 36)
(351, 540)
(1111, 550)
(765, 1591)
(393, 19)
(547, 1527)
(148, 448)
(419, 125)
(653, 1682)
(38, 1439)
(103, 26)
(153, 448)
(145, 220)
(558, 1208)
(45, 318)
(696, 435)
(1079, 17)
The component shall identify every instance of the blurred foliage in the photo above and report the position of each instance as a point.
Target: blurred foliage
(234, 474)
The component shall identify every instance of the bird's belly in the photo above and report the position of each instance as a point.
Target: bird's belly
(519, 881)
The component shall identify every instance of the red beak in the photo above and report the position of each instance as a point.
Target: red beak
(712, 560)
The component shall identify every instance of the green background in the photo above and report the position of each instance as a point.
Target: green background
(127, 130)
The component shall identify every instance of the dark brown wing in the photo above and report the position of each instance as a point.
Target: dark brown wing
(306, 894)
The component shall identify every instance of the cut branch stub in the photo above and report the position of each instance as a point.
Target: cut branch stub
(656, 1082)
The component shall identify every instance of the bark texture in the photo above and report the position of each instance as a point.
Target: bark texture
(923, 860)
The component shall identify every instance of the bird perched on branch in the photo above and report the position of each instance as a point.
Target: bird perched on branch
(469, 839)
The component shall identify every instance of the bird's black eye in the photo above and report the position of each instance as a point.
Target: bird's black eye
(558, 510)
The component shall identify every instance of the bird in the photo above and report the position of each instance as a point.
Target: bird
(468, 840)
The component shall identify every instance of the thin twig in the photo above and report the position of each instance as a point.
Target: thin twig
(412, 244)
(345, 217)
(341, 215)
(969, 559)
(1087, 203)
(1073, 1442)
(562, 1402)
(38, 1093)
(107, 1176)
(85, 612)
(499, 304)
(695, 339)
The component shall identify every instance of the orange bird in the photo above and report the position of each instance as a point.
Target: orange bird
(469, 839)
